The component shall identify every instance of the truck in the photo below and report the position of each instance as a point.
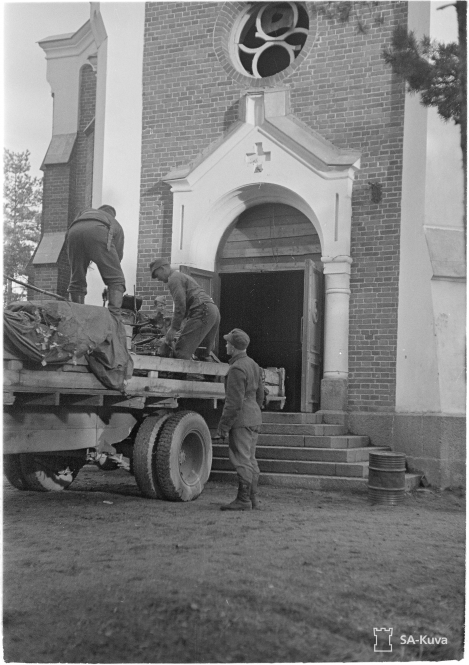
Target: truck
(60, 416)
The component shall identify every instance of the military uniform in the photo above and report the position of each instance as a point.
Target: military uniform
(95, 235)
(241, 419)
(195, 314)
(201, 315)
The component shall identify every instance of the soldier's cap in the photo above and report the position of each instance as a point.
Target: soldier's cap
(238, 338)
(160, 300)
(109, 209)
(157, 263)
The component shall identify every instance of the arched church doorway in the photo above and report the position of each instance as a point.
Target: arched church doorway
(271, 286)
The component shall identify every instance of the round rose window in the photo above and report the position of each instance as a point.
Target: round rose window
(269, 37)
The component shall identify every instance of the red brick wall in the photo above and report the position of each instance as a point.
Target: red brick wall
(82, 176)
(56, 198)
(50, 277)
(47, 281)
(339, 87)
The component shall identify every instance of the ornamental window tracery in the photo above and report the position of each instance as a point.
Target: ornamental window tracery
(269, 37)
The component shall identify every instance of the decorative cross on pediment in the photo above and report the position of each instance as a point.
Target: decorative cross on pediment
(257, 158)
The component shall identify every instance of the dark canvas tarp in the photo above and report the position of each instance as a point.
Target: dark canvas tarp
(55, 332)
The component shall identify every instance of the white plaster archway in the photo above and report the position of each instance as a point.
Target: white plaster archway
(228, 208)
(269, 156)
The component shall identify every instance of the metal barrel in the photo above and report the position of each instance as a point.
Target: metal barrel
(386, 479)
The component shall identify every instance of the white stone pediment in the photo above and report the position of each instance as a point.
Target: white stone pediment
(308, 145)
(268, 155)
(264, 144)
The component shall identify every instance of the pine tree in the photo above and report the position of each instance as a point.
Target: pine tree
(22, 198)
(437, 72)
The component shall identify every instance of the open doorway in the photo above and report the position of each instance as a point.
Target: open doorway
(269, 307)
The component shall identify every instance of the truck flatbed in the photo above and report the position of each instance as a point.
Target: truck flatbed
(59, 417)
(154, 378)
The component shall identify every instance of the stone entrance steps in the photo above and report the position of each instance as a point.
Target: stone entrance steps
(299, 450)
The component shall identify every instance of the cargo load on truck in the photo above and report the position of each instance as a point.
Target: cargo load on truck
(54, 332)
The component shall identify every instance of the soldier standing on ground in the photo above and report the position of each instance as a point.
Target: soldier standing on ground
(241, 418)
(193, 304)
(96, 235)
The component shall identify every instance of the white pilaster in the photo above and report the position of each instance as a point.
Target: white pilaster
(337, 292)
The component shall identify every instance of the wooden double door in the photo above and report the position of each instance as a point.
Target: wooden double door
(282, 311)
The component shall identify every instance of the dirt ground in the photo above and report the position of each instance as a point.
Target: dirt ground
(98, 574)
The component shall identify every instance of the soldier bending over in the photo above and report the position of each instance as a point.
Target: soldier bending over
(96, 235)
(193, 304)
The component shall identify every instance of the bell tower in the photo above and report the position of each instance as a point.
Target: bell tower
(68, 166)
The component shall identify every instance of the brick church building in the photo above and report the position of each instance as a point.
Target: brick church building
(268, 150)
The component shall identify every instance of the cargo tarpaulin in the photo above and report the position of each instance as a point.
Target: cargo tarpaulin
(53, 332)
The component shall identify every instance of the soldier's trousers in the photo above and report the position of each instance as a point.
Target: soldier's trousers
(200, 329)
(242, 443)
(87, 241)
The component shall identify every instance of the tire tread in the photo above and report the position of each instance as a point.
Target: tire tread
(163, 456)
(13, 473)
(144, 456)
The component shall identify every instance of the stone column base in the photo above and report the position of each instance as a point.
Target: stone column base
(334, 394)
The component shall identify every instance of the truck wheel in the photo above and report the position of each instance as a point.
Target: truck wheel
(144, 456)
(49, 473)
(183, 456)
(13, 473)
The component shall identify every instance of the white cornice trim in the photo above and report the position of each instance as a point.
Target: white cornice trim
(68, 46)
(74, 44)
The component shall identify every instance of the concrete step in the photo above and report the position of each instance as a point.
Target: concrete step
(299, 440)
(303, 428)
(349, 455)
(349, 469)
(318, 483)
(299, 481)
(284, 418)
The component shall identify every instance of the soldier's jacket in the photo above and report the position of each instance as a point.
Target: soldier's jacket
(187, 295)
(244, 393)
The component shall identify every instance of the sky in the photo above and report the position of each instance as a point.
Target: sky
(27, 94)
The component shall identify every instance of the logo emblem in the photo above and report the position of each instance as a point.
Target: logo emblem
(382, 639)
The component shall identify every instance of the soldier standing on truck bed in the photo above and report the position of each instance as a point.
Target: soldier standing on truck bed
(96, 235)
(193, 306)
(161, 319)
(241, 418)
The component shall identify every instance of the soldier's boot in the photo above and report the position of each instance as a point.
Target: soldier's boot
(115, 298)
(78, 297)
(243, 500)
(254, 493)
